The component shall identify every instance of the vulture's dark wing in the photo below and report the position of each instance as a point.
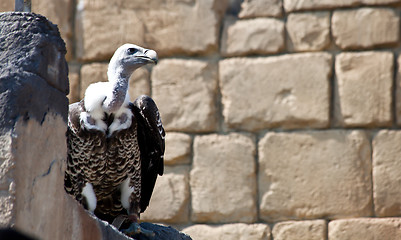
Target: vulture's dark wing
(151, 144)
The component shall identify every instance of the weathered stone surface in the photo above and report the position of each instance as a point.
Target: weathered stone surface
(260, 8)
(73, 78)
(7, 183)
(38, 203)
(340, 185)
(178, 148)
(293, 230)
(365, 229)
(380, 27)
(6, 208)
(257, 95)
(32, 55)
(364, 88)
(38, 176)
(387, 173)
(239, 231)
(172, 27)
(398, 92)
(170, 198)
(308, 31)
(226, 192)
(97, 72)
(296, 5)
(184, 91)
(256, 36)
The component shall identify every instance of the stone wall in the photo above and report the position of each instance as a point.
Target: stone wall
(282, 116)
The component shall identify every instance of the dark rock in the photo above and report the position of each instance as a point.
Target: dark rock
(161, 232)
(33, 70)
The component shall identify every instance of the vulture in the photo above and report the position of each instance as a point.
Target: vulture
(115, 147)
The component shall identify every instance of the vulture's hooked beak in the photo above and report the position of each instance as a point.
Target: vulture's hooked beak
(152, 56)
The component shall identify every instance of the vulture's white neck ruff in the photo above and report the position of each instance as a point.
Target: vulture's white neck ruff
(108, 97)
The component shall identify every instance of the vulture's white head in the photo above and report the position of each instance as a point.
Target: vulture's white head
(129, 57)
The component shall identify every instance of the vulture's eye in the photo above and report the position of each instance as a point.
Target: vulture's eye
(132, 50)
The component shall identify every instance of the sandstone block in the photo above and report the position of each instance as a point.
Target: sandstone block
(297, 5)
(60, 13)
(309, 31)
(184, 91)
(239, 231)
(73, 78)
(380, 27)
(170, 198)
(340, 185)
(365, 229)
(178, 148)
(7, 5)
(225, 192)
(292, 230)
(92, 73)
(256, 36)
(387, 173)
(172, 27)
(380, 2)
(139, 82)
(364, 88)
(257, 95)
(260, 8)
